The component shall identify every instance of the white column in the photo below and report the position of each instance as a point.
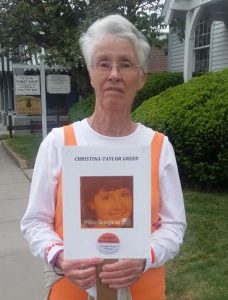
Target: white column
(192, 17)
(43, 98)
(188, 48)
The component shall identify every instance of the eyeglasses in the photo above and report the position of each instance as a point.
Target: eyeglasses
(105, 67)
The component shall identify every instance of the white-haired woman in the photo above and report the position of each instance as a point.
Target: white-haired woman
(116, 56)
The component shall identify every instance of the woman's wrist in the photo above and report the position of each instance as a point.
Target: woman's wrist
(56, 262)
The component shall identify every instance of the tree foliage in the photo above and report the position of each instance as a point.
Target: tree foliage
(28, 26)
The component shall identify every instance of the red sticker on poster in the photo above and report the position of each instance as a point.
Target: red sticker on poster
(108, 243)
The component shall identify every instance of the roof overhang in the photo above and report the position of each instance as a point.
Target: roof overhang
(172, 6)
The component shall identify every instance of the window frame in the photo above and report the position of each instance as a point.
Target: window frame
(199, 46)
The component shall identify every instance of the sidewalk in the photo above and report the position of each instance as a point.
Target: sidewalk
(3, 129)
(21, 274)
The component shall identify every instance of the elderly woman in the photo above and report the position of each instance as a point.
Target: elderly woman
(116, 56)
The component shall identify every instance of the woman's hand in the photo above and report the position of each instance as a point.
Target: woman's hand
(122, 273)
(80, 271)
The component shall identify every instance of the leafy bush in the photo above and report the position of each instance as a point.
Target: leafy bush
(82, 109)
(195, 117)
(155, 84)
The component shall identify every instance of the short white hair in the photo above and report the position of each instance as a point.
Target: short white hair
(118, 27)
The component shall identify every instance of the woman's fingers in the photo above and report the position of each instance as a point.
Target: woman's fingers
(84, 278)
(81, 271)
(122, 273)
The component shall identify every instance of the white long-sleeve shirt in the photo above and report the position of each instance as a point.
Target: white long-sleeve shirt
(37, 225)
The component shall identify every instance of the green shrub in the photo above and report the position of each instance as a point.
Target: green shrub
(195, 117)
(82, 109)
(155, 84)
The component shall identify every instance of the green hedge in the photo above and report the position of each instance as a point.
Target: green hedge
(82, 109)
(195, 117)
(155, 84)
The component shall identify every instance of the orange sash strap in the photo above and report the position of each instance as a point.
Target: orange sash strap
(156, 147)
(69, 136)
(69, 140)
(151, 285)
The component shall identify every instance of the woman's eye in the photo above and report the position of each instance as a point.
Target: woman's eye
(125, 65)
(104, 65)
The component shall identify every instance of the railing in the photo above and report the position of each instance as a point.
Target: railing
(35, 126)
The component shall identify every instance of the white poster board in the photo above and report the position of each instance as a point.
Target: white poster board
(122, 236)
(58, 84)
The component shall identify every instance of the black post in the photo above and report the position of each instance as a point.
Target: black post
(10, 126)
(57, 119)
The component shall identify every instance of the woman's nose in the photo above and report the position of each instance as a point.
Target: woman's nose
(114, 73)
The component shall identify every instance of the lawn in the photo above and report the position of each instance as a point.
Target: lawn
(26, 146)
(200, 271)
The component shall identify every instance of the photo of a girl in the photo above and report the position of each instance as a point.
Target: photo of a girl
(106, 201)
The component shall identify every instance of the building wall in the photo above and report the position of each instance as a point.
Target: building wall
(157, 61)
(175, 53)
(219, 46)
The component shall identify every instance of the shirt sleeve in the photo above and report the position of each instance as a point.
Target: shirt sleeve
(37, 224)
(167, 239)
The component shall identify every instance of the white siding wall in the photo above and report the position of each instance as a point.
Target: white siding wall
(175, 54)
(218, 55)
(219, 47)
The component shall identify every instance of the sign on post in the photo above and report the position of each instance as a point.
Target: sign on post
(27, 88)
(58, 84)
(27, 85)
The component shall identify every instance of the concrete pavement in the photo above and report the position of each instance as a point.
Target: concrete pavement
(21, 276)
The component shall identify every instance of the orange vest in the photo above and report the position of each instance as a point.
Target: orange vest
(151, 285)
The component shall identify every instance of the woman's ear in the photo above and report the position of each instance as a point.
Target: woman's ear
(143, 78)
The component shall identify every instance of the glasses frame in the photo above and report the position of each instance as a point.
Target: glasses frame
(122, 71)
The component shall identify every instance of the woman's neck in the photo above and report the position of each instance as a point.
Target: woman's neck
(112, 124)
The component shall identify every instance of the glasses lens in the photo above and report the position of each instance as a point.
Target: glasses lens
(126, 67)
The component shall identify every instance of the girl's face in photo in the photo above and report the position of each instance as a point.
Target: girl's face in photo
(113, 205)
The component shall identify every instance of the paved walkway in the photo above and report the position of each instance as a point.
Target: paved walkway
(3, 129)
(21, 275)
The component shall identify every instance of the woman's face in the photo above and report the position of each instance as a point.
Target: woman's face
(114, 89)
(114, 205)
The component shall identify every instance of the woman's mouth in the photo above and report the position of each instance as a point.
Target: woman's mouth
(114, 90)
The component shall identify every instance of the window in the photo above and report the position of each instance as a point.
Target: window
(202, 46)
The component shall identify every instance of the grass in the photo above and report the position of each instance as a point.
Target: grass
(26, 146)
(4, 137)
(200, 271)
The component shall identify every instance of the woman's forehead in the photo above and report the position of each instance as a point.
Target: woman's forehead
(114, 48)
